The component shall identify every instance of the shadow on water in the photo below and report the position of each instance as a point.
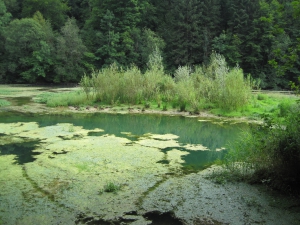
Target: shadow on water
(159, 218)
(22, 151)
(153, 218)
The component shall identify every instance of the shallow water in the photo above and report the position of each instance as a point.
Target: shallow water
(212, 134)
(53, 167)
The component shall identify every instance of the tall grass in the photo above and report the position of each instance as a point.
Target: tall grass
(214, 84)
(74, 98)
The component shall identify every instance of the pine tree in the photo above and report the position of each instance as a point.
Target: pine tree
(52, 10)
(111, 25)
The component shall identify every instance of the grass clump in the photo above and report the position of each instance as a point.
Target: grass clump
(43, 98)
(75, 98)
(4, 102)
(110, 187)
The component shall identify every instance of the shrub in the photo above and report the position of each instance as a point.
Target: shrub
(215, 84)
(271, 152)
(85, 84)
(131, 86)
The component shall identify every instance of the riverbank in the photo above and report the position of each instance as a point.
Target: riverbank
(23, 99)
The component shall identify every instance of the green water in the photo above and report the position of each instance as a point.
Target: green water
(214, 134)
(52, 167)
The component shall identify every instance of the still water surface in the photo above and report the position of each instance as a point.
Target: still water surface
(212, 134)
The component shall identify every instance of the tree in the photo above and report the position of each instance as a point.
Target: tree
(146, 42)
(228, 45)
(109, 30)
(53, 10)
(69, 54)
(13, 7)
(27, 51)
(80, 10)
(5, 18)
(189, 28)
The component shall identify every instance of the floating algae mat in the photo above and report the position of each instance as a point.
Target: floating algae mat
(54, 168)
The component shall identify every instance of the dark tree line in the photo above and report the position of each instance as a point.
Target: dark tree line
(60, 40)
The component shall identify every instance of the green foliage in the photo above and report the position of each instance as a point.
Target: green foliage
(75, 98)
(259, 36)
(261, 97)
(53, 10)
(271, 152)
(184, 87)
(284, 108)
(226, 88)
(43, 98)
(86, 85)
(27, 48)
(188, 28)
(69, 54)
(213, 85)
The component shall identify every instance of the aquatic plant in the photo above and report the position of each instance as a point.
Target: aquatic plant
(110, 187)
(3, 102)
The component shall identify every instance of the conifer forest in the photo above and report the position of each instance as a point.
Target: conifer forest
(58, 41)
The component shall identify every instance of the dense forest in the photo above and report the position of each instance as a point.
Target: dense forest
(58, 41)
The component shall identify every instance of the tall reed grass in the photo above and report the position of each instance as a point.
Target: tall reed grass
(214, 84)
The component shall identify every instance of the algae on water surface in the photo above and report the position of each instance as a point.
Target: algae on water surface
(71, 167)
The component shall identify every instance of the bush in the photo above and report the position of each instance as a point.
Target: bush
(270, 152)
(215, 85)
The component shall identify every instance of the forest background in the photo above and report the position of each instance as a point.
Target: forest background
(58, 41)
